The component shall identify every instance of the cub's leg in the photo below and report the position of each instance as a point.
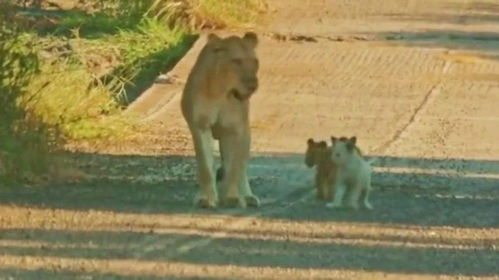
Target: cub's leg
(329, 185)
(234, 157)
(203, 146)
(319, 186)
(355, 193)
(339, 192)
(328, 190)
(367, 190)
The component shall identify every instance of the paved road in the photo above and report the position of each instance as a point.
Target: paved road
(416, 81)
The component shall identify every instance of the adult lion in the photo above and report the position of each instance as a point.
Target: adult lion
(215, 105)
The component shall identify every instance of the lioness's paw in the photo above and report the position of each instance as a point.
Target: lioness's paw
(252, 201)
(204, 202)
(233, 202)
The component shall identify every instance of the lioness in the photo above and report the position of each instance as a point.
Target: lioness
(215, 104)
(319, 155)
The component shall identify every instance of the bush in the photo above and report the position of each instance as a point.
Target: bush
(69, 72)
(25, 141)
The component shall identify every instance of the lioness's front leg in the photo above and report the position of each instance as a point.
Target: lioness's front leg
(245, 190)
(244, 186)
(234, 155)
(203, 145)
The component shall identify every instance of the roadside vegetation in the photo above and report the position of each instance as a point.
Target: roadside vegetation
(69, 68)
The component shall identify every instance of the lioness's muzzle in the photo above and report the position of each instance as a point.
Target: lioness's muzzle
(251, 84)
(239, 96)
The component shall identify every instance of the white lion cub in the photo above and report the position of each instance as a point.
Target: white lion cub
(353, 172)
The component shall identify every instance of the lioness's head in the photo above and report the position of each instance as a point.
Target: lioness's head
(236, 63)
(314, 151)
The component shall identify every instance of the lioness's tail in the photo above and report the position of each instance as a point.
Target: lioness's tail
(220, 174)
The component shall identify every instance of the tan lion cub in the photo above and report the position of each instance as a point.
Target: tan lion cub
(319, 155)
(353, 172)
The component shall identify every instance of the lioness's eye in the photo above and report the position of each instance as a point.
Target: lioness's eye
(237, 61)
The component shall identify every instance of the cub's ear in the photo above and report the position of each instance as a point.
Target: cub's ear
(310, 141)
(251, 39)
(353, 140)
(334, 139)
(323, 144)
(350, 146)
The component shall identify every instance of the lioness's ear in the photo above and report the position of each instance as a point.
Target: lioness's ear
(251, 39)
(353, 140)
(334, 139)
(310, 141)
(215, 42)
(212, 38)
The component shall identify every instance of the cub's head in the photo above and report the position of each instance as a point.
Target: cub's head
(314, 151)
(236, 64)
(343, 148)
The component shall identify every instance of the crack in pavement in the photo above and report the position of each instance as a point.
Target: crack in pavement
(399, 134)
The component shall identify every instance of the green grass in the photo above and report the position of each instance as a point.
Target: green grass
(96, 63)
(229, 13)
(77, 69)
(84, 93)
(25, 140)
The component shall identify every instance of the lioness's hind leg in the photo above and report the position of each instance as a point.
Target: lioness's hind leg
(208, 196)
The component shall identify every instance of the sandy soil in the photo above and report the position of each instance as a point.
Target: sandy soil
(416, 81)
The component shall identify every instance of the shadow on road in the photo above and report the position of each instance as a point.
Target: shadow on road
(70, 274)
(463, 14)
(456, 192)
(486, 42)
(474, 13)
(322, 252)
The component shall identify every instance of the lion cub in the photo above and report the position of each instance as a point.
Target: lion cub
(319, 154)
(352, 172)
